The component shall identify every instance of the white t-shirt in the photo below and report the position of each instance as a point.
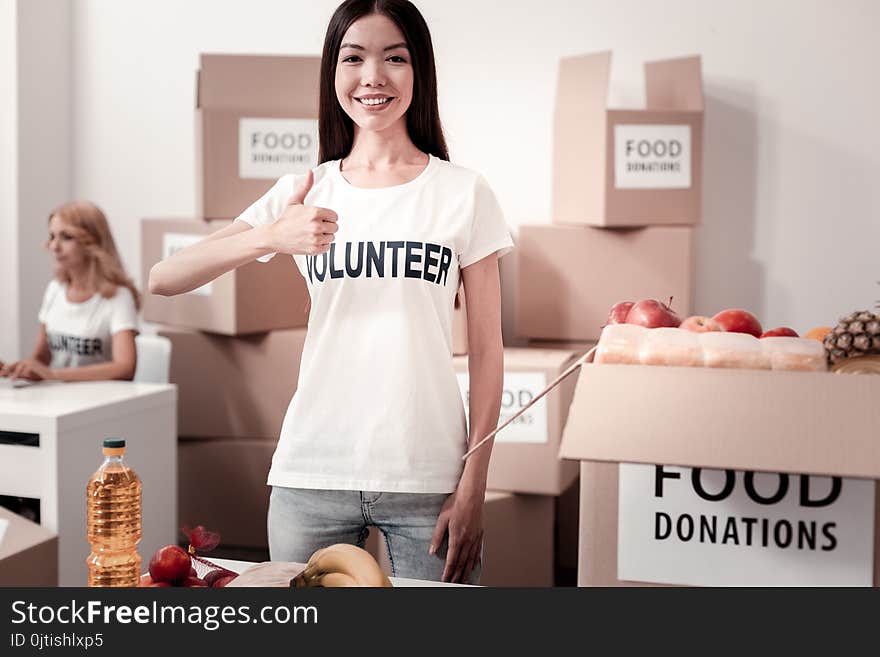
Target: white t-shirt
(377, 405)
(81, 333)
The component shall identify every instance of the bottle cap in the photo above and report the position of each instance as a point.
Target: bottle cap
(114, 442)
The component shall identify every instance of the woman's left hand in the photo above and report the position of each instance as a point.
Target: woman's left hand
(30, 369)
(462, 516)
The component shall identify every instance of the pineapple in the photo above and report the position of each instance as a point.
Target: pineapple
(856, 335)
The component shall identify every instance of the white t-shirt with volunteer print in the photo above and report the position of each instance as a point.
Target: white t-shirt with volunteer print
(377, 405)
(82, 333)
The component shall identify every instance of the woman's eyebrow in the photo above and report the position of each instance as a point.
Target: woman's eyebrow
(355, 46)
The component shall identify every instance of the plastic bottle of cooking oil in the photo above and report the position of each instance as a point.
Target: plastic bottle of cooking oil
(113, 520)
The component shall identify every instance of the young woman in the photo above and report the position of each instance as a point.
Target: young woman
(382, 230)
(88, 319)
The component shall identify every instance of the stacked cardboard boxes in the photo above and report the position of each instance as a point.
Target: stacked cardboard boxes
(237, 341)
(689, 476)
(626, 196)
(530, 488)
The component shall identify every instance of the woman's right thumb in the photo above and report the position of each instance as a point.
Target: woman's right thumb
(299, 194)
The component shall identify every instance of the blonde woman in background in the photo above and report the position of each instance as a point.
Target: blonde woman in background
(88, 318)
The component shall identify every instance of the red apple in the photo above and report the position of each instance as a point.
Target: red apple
(220, 582)
(619, 312)
(214, 575)
(194, 582)
(170, 564)
(650, 313)
(781, 332)
(700, 324)
(737, 320)
(147, 582)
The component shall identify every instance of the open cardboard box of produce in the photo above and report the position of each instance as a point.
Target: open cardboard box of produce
(734, 420)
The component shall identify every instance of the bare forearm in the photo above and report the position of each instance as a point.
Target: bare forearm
(486, 371)
(42, 356)
(97, 372)
(201, 263)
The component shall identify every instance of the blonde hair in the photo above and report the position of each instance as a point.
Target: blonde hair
(91, 230)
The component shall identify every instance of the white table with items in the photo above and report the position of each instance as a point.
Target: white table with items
(239, 567)
(50, 445)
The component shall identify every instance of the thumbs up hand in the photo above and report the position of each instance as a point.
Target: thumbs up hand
(303, 229)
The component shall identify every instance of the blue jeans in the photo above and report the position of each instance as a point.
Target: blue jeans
(302, 521)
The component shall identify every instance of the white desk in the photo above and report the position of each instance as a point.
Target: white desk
(70, 422)
(241, 566)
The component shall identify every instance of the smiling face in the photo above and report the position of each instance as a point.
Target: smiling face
(374, 74)
(63, 245)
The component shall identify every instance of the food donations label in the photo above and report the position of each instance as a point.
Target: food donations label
(703, 527)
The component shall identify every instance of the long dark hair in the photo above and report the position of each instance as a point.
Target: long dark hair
(335, 127)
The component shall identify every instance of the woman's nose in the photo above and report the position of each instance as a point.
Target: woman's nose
(371, 75)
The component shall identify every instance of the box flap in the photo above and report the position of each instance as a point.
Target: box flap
(521, 357)
(525, 358)
(20, 534)
(259, 82)
(579, 135)
(583, 80)
(799, 422)
(674, 84)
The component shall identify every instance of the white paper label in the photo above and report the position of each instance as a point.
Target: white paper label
(704, 527)
(271, 148)
(519, 389)
(652, 156)
(174, 242)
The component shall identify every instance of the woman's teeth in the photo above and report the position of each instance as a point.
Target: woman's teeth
(373, 101)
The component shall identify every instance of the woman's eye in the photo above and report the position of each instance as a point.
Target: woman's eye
(398, 58)
(350, 58)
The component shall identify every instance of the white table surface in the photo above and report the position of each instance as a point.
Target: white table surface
(54, 399)
(71, 420)
(241, 566)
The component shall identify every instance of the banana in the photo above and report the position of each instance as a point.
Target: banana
(341, 565)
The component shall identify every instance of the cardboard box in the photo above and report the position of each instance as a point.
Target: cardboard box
(256, 120)
(254, 298)
(525, 454)
(517, 543)
(569, 277)
(233, 387)
(627, 167)
(518, 540)
(28, 552)
(579, 347)
(760, 451)
(222, 485)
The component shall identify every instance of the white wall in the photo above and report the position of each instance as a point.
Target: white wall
(8, 183)
(792, 215)
(35, 161)
(44, 140)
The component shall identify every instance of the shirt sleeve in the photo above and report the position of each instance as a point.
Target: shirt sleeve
(124, 314)
(48, 297)
(489, 233)
(269, 206)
